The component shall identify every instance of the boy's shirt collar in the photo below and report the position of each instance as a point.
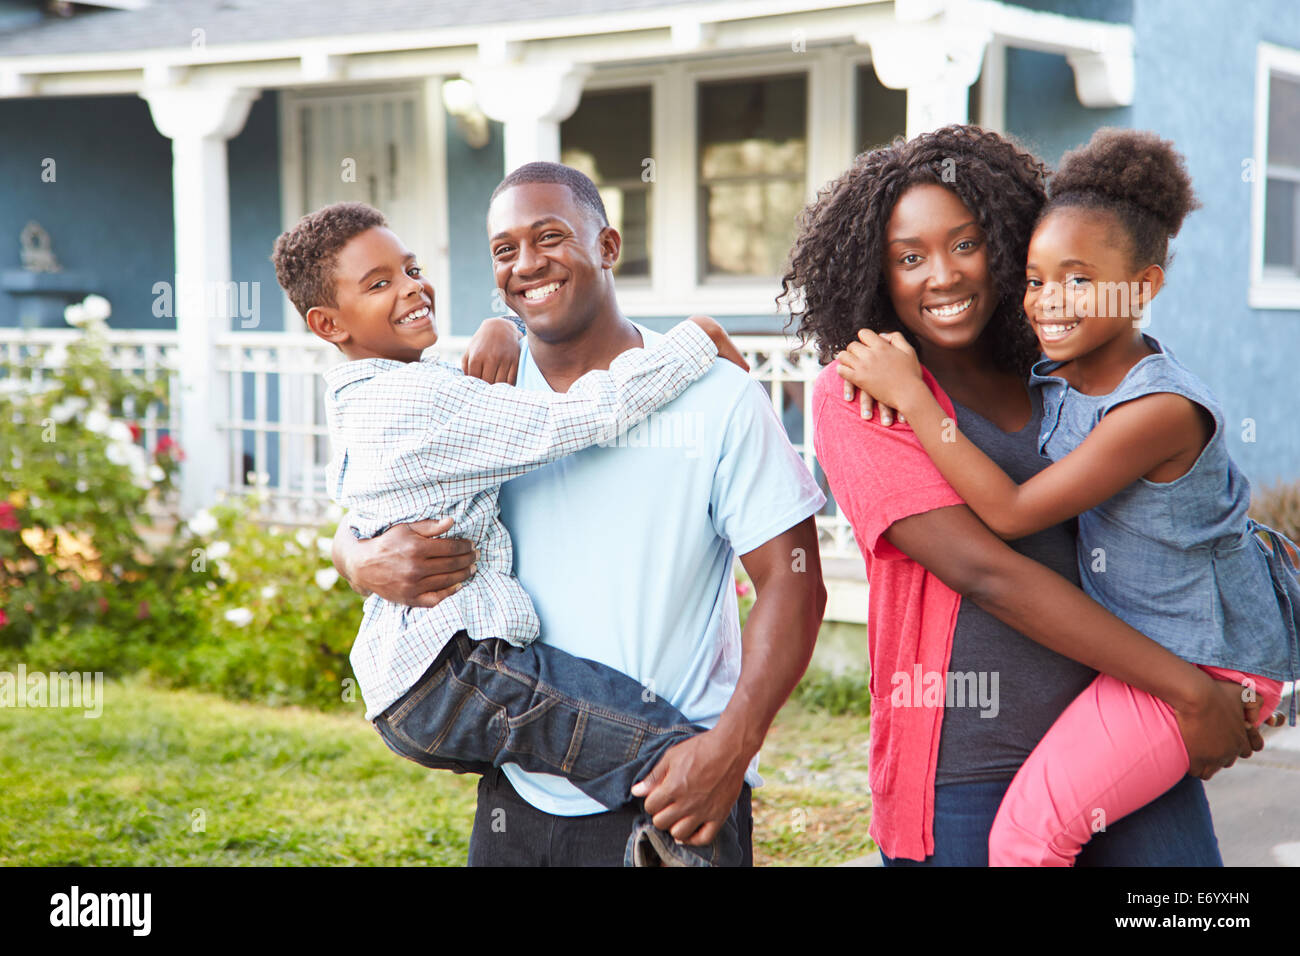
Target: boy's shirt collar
(358, 370)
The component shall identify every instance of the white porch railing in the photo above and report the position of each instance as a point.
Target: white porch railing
(273, 428)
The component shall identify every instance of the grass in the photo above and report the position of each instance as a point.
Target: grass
(181, 778)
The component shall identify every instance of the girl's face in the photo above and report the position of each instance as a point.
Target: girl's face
(937, 267)
(1081, 289)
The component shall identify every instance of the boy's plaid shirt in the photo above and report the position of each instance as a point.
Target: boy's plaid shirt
(422, 440)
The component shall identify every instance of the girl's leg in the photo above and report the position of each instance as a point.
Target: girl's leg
(1113, 750)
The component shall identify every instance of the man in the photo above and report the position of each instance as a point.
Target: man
(627, 550)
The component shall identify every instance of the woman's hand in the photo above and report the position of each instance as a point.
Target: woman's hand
(407, 564)
(493, 352)
(885, 369)
(1218, 728)
(726, 348)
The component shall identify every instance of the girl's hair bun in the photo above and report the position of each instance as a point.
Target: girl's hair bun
(1137, 175)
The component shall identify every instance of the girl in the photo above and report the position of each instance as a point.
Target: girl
(1139, 455)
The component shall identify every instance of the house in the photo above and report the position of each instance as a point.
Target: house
(163, 146)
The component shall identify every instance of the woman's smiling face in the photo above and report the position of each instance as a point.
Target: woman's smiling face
(937, 267)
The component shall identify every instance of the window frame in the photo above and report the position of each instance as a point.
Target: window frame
(1268, 291)
(675, 285)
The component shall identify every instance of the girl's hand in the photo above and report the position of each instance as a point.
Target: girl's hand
(493, 352)
(885, 368)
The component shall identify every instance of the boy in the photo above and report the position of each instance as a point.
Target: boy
(461, 686)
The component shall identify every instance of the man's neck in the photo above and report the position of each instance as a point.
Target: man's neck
(563, 363)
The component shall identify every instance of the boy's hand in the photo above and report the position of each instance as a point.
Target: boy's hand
(885, 368)
(407, 564)
(493, 352)
(726, 348)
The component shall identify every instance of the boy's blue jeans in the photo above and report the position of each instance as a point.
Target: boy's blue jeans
(483, 704)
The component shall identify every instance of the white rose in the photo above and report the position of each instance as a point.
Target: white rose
(97, 422)
(326, 578)
(226, 571)
(119, 431)
(82, 485)
(117, 453)
(304, 537)
(218, 550)
(240, 616)
(325, 546)
(269, 592)
(156, 474)
(202, 524)
(96, 308)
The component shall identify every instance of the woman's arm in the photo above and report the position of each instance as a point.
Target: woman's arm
(1127, 444)
(957, 548)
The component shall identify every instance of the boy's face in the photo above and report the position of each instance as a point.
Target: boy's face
(385, 304)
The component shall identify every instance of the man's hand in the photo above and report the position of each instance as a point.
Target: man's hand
(408, 564)
(726, 348)
(493, 352)
(1217, 729)
(691, 791)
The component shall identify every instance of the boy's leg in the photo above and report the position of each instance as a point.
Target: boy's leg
(487, 703)
(1111, 752)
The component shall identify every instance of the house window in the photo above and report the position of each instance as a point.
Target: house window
(1282, 180)
(880, 113)
(608, 138)
(753, 153)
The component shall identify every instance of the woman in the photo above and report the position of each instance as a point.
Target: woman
(927, 239)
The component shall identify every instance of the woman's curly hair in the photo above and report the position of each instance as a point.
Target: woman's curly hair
(1136, 176)
(836, 282)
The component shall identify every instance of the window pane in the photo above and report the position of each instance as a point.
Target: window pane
(608, 138)
(753, 159)
(1283, 121)
(881, 112)
(749, 226)
(1279, 224)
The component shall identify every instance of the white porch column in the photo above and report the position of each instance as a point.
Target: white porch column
(936, 62)
(531, 100)
(199, 122)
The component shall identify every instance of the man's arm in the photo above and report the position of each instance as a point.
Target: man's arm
(693, 788)
(408, 564)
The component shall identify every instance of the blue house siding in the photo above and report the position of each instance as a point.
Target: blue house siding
(472, 174)
(253, 161)
(1207, 107)
(109, 210)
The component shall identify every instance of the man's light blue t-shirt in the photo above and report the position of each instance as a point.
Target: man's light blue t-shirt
(627, 549)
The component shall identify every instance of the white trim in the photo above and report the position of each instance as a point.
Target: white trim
(1267, 292)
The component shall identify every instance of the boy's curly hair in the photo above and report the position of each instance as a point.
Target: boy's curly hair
(836, 282)
(1137, 177)
(306, 255)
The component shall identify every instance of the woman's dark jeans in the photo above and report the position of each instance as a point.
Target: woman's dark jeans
(1175, 830)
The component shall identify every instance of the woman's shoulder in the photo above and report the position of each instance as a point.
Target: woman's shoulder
(829, 405)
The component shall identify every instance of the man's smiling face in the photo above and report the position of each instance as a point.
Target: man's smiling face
(552, 257)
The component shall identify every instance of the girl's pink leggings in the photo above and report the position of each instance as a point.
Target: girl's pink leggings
(1112, 751)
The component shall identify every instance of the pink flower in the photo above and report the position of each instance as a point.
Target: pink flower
(742, 588)
(4, 618)
(135, 431)
(8, 520)
(168, 448)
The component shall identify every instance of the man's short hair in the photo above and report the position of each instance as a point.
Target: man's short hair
(306, 255)
(583, 189)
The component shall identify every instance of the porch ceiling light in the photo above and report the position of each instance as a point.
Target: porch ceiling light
(459, 99)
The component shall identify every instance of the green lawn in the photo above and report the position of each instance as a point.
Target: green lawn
(168, 778)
